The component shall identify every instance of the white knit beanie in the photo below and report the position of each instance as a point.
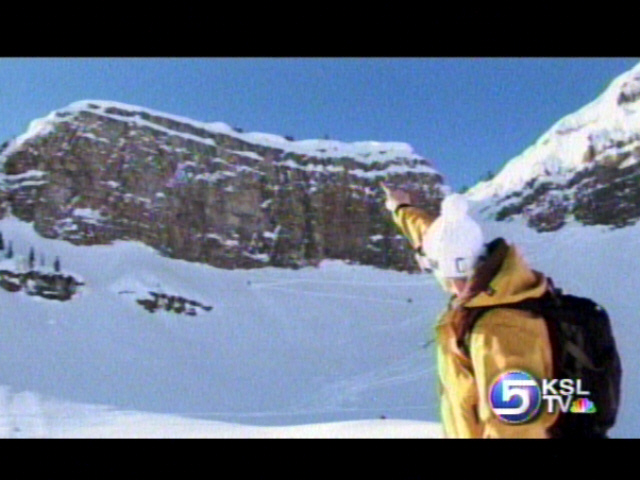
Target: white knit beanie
(454, 242)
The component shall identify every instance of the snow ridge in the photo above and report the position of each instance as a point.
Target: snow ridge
(366, 152)
(611, 119)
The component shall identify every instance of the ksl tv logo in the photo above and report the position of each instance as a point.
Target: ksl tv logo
(517, 397)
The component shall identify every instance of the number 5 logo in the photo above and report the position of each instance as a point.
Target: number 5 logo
(515, 397)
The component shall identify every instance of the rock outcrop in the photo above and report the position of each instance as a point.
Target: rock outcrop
(96, 172)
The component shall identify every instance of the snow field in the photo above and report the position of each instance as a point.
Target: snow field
(312, 352)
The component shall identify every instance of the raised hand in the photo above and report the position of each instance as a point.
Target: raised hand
(394, 198)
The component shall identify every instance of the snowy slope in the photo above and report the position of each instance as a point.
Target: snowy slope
(279, 346)
(27, 415)
(311, 348)
(607, 123)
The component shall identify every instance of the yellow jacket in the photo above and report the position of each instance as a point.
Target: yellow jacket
(502, 340)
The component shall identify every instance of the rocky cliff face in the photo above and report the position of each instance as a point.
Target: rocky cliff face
(586, 168)
(96, 172)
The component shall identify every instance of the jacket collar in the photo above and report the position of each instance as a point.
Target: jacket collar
(502, 277)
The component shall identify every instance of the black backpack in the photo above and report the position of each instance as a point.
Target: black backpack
(583, 348)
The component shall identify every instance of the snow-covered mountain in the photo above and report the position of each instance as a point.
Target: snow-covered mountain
(585, 168)
(99, 171)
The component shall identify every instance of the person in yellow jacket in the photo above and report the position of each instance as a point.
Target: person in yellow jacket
(452, 247)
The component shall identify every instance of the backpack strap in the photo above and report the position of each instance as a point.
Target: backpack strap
(579, 355)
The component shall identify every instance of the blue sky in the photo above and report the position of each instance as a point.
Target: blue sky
(468, 115)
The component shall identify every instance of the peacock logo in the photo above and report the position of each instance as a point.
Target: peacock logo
(583, 405)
